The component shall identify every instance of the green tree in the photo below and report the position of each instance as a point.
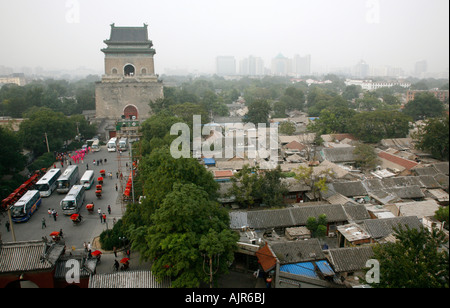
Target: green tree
(258, 112)
(316, 180)
(273, 190)
(246, 186)
(365, 156)
(425, 105)
(159, 171)
(415, 260)
(434, 138)
(187, 228)
(443, 216)
(43, 121)
(287, 128)
(372, 127)
(11, 158)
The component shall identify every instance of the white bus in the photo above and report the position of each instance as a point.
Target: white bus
(47, 184)
(87, 179)
(95, 147)
(123, 144)
(112, 144)
(67, 179)
(22, 210)
(73, 201)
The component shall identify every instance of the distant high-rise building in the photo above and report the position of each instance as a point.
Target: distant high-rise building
(361, 69)
(281, 66)
(301, 66)
(251, 66)
(420, 68)
(225, 65)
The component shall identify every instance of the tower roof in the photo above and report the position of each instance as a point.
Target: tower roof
(128, 34)
(129, 39)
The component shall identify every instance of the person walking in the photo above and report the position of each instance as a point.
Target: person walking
(115, 251)
(7, 225)
(109, 209)
(61, 233)
(44, 225)
(104, 217)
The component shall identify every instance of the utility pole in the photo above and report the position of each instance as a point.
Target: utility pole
(11, 224)
(46, 141)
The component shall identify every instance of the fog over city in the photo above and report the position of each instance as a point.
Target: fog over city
(189, 35)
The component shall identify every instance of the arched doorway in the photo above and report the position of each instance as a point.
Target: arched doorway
(130, 111)
(129, 70)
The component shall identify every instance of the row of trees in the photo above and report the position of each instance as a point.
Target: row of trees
(179, 225)
(40, 122)
(57, 95)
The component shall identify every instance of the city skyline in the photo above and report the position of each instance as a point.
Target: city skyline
(190, 35)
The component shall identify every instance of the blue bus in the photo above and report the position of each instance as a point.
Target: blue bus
(23, 209)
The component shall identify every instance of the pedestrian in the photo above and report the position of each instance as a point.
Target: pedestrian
(105, 160)
(115, 251)
(87, 166)
(109, 209)
(7, 225)
(61, 233)
(104, 217)
(128, 253)
(116, 186)
(116, 265)
(54, 214)
(99, 211)
(85, 247)
(43, 223)
(117, 175)
(49, 213)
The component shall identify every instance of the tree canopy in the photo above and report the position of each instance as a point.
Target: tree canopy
(415, 260)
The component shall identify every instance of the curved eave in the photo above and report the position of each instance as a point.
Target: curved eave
(137, 51)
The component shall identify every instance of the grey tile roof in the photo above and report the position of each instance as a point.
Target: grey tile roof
(289, 217)
(349, 189)
(356, 212)
(129, 34)
(379, 228)
(298, 251)
(350, 259)
(127, 280)
(338, 155)
(28, 256)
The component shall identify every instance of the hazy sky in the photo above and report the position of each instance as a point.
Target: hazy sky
(189, 34)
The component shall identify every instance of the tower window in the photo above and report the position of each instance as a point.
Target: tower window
(129, 70)
(144, 71)
(114, 71)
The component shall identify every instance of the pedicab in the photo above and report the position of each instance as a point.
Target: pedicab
(90, 208)
(125, 264)
(55, 236)
(98, 192)
(103, 173)
(97, 254)
(76, 218)
(100, 180)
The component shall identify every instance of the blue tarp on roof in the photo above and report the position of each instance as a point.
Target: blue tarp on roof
(307, 269)
(209, 161)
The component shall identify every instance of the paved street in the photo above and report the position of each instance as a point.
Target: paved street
(91, 226)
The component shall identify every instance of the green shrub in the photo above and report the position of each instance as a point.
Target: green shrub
(110, 238)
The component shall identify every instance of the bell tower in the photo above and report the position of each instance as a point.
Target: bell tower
(129, 54)
(129, 82)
